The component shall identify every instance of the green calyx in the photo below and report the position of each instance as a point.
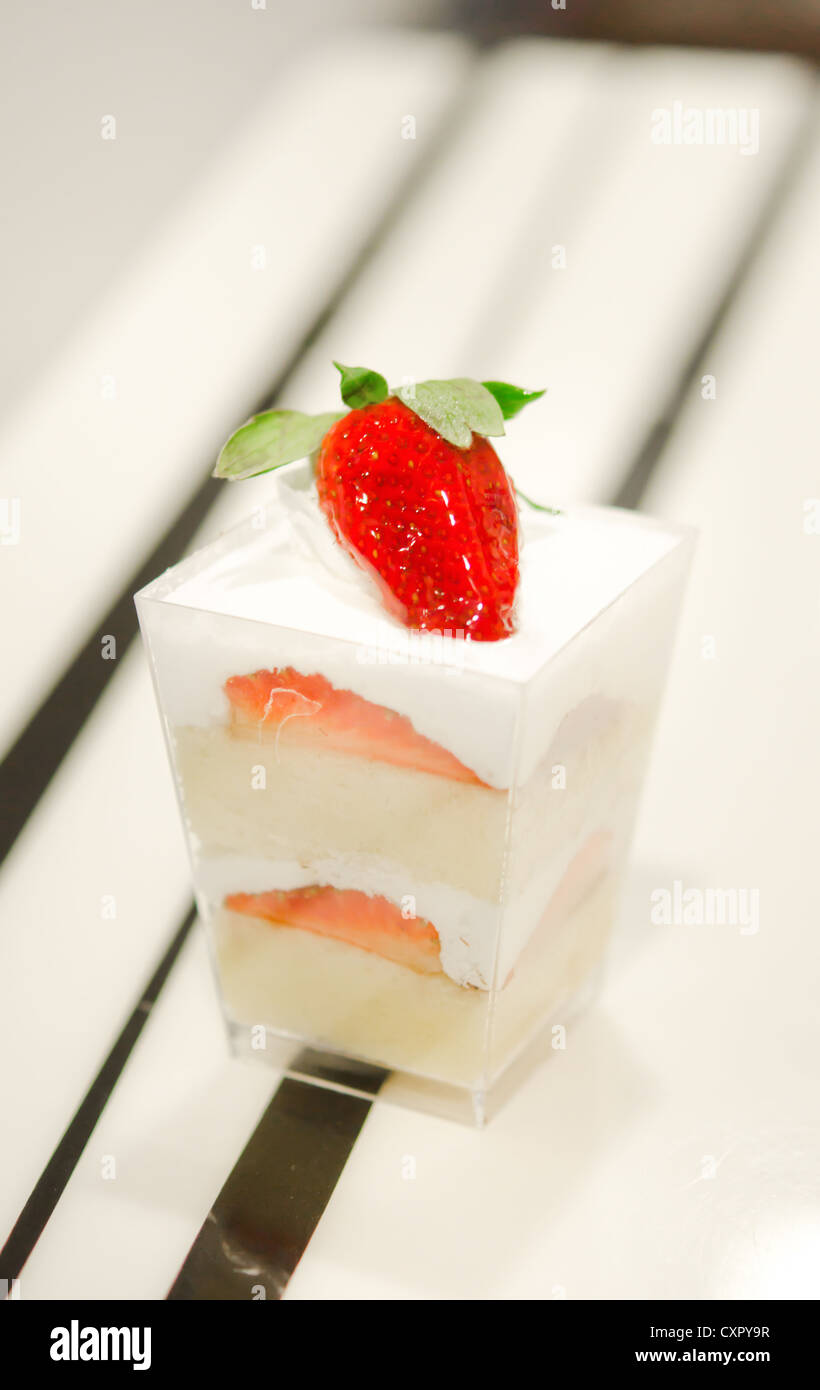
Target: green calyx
(538, 506)
(359, 386)
(511, 399)
(456, 409)
(270, 440)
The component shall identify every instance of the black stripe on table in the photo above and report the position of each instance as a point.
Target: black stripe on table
(261, 1222)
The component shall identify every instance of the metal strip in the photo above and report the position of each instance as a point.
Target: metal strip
(267, 1211)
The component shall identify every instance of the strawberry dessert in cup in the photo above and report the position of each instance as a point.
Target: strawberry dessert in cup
(409, 718)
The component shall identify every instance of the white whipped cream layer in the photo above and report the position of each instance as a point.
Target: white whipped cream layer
(295, 597)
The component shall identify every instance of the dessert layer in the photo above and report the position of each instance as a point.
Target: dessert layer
(476, 938)
(284, 704)
(298, 803)
(285, 594)
(331, 994)
(277, 818)
(284, 800)
(466, 926)
(369, 922)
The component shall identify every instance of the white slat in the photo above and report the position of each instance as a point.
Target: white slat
(652, 233)
(423, 307)
(555, 148)
(419, 306)
(108, 827)
(172, 1144)
(556, 151)
(196, 333)
(108, 824)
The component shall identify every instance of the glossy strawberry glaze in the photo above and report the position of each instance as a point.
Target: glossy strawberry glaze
(436, 526)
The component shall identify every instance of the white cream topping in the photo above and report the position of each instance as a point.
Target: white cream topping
(305, 603)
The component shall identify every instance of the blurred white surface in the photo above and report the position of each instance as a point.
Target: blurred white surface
(181, 80)
(673, 1149)
(123, 426)
(192, 336)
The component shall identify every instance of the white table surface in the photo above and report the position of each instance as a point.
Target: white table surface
(672, 1150)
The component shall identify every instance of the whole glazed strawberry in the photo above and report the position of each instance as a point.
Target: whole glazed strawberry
(414, 490)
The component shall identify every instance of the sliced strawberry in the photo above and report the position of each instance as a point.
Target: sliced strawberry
(310, 709)
(373, 924)
(436, 526)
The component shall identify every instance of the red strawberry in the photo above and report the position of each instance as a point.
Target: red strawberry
(311, 710)
(373, 924)
(435, 525)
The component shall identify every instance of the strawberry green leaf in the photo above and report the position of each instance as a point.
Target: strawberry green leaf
(270, 440)
(360, 386)
(510, 398)
(538, 506)
(456, 409)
